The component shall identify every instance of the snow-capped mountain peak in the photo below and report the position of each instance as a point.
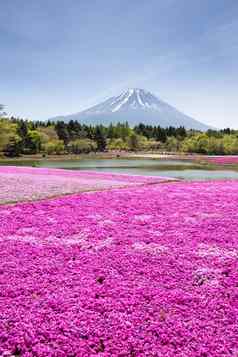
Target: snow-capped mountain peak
(131, 99)
(135, 106)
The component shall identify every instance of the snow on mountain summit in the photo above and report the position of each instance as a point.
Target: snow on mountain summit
(135, 106)
(133, 98)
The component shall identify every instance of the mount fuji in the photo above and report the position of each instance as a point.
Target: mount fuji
(134, 106)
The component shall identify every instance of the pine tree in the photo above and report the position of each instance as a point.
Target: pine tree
(100, 138)
(13, 148)
(62, 132)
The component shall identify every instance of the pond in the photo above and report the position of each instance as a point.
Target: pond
(182, 169)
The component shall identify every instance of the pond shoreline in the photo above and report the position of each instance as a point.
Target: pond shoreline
(101, 155)
(173, 167)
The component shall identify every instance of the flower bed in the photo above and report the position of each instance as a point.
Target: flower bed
(26, 183)
(148, 271)
(223, 160)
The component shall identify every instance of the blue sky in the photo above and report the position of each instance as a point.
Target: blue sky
(61, 56)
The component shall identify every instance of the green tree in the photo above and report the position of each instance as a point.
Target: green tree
(13, 147)
(160, 134)
(137, 142)
(117, 144)
(110, 131)
(230, 143)
(80, 146)
(62, 132)
(54, 147)
(100, 138)
(215, 146)
(196, 143)
(8, 130)
(33, 142)
(22, 129)
(172, 144)
(133, 142)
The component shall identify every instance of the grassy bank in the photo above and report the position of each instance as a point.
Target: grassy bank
(100, 155)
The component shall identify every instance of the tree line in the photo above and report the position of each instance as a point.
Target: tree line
(22, 137)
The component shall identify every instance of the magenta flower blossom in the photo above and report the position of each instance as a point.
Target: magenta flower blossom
(223, 160)
(27, 184)
(143, 271)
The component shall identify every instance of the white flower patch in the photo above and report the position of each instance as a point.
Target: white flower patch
(76, 239)
(195, 218)
(191, 219)
(26, 230)
(155, 233)
(4, 213)
(106, 222)
(51, 220)
(95, 216)
(39, 212)
(21, 238)
(142, 217)
(209, 215)
(7, 354)
(206, 250)
(152, 248)
(103, 244)
(31, 239)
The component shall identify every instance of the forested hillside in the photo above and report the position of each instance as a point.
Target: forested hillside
(22, 137)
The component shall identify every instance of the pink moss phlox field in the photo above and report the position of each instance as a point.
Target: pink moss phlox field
(223, 160)
(143, 271)
(26, 183)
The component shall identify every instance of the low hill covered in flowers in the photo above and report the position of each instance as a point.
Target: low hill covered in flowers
(28, 184)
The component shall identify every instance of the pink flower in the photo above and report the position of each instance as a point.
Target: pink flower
(140, 271)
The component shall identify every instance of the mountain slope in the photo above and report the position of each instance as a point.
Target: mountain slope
(135, 106)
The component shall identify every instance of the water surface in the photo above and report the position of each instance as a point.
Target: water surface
(181, 169)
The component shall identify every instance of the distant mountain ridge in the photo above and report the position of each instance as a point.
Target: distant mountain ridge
(135, 106)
